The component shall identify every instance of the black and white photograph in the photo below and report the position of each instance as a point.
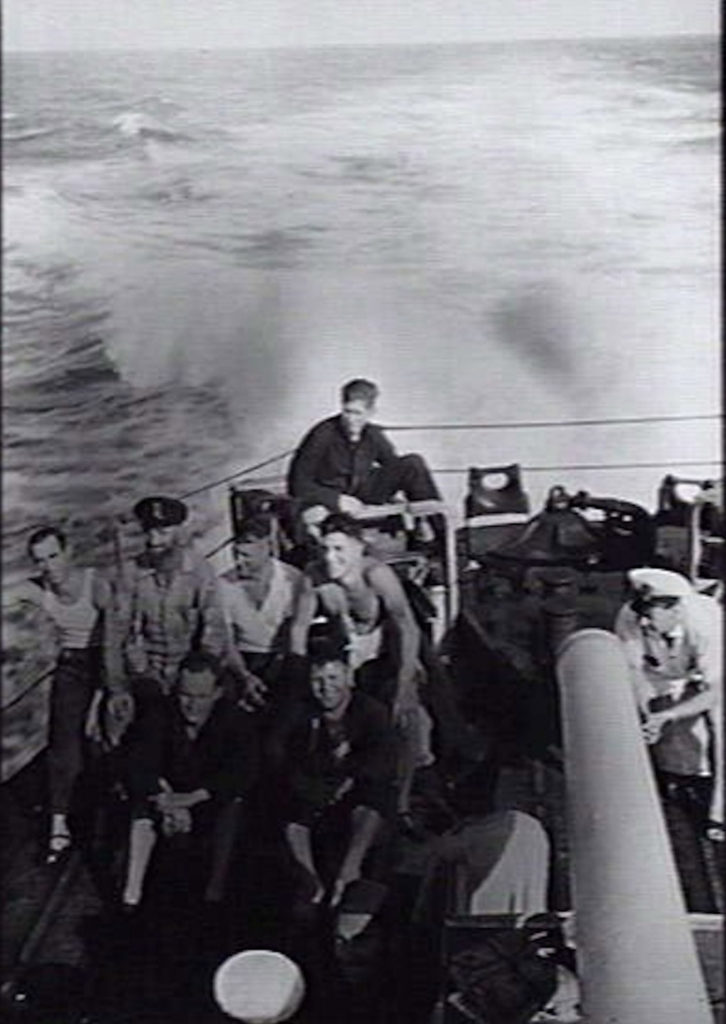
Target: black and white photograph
(363, 515)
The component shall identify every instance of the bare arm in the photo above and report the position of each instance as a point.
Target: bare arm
(388, 587)
(168, 801)
(111, 627)
(303, 613)
(690, 707)
(365, 825)
(300, 845)
(215, 635)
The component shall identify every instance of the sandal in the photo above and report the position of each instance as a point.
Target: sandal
(58, 845)
(715, 831)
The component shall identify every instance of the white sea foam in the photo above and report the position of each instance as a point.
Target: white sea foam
(492, 239)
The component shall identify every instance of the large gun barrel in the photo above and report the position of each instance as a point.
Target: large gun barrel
(636, 955)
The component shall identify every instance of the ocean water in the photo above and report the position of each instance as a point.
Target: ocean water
(200, 247)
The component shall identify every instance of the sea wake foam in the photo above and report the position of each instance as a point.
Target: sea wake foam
(198, 256)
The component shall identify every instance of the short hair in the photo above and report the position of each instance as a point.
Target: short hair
(323, 652)
(327, 641)
(342, 522)
(38, 536)
(359, 390)
(198, 662)
(258, 527)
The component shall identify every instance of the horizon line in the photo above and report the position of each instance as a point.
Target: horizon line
(363, 44)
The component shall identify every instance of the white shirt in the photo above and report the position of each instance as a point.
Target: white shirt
(659, 666)
(255, 629)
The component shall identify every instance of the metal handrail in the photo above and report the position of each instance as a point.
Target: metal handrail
(17, 697)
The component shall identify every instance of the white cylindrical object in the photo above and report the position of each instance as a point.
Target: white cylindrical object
(259, 986)
(636, 956)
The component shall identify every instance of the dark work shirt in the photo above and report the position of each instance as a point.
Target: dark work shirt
(223, 758)
(314, 773)
(327, 463)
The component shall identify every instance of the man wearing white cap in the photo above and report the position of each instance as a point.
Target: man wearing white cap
(673, 644)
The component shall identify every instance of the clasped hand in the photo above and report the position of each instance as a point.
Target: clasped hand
(254, 693)
(652, 727)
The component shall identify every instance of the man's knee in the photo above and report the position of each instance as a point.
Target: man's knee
(413, 463)
(416, 476)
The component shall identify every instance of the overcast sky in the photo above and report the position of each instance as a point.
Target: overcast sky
(172, 24)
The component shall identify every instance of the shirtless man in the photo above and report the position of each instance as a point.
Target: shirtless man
(77, 601)
(367, 600)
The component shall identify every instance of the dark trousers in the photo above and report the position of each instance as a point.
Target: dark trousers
(408, 473)
(685, 800)
(74, 681)
(204, 853)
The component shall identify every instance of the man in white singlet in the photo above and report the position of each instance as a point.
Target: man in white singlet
(78, 603)
(257, 599)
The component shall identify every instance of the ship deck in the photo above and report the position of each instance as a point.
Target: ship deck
(60, 921)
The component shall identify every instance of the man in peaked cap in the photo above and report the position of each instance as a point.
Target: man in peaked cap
(673, 645)
(174, 605)
(160, 512)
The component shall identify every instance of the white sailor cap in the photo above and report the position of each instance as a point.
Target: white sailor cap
(259, 986)
(659, 583)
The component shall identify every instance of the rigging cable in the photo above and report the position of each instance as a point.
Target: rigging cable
(532, 424)
(542, 424)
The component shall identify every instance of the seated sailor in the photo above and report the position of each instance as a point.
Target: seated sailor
(340, 753)
(191, 761)
(346, 462)
(257, 599)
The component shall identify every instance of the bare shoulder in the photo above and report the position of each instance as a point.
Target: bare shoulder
(330, 592)
(292, 573)
(381, 576)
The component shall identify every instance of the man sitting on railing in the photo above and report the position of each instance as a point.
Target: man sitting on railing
(191, 760)
(78, 603)
(673, 644)
(346, 462)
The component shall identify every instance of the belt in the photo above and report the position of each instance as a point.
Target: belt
(77, 653)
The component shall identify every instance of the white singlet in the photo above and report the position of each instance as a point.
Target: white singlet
(75, 621)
